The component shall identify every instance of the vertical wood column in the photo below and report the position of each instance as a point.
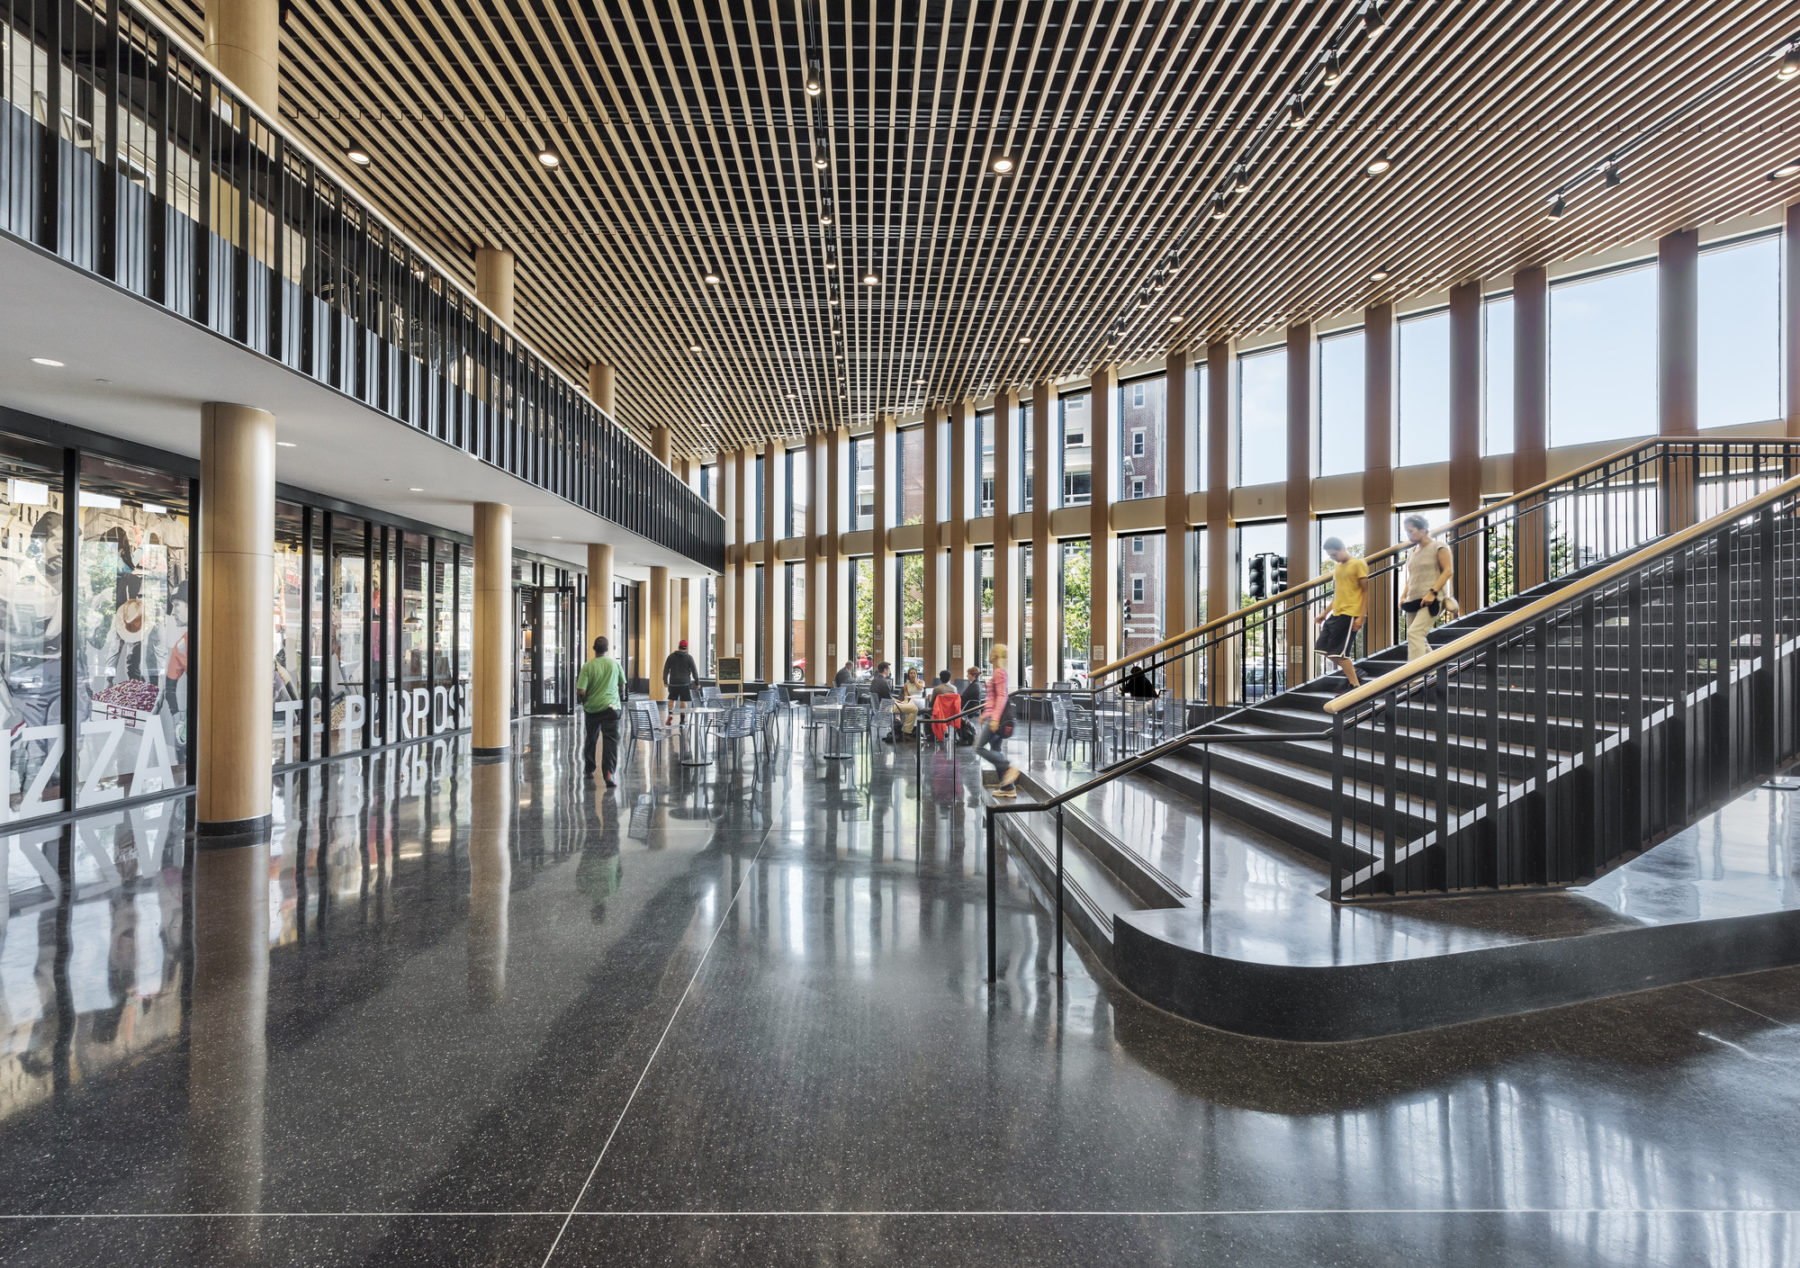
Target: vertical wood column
(658, 649)
(725, 637)
(599, 595)
(600, 386)
(1221, 554)
(234, 732)
(1531, 414)
(936, 646)
(1299, 491)
(881, 562)
(1378, 466)
(743, 475)
(1790, 319)
(773, 636)
(960, 433)
(1465, 436)
(662, 444)
(837, 446)
(1178, 455)
(1678, 366)
(243, 39)
(1103, 606)
(494, 276)
(816, 669)
(1043, 499)
(1006, 605)
(490, 690)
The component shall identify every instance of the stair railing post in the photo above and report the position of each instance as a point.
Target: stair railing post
(1206, 825)
(1768, 575)
(1059, 892)
(1337, 805)
(992, 894)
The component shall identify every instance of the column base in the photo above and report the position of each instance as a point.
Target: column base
(222, 834)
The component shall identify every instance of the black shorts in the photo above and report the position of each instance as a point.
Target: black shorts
(1334, 635)
(683, 694)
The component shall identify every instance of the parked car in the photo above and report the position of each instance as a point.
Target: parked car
(1077, 670)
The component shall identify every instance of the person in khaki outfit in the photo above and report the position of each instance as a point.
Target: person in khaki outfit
(1428, 570)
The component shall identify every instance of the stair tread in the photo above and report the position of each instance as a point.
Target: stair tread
(1404, 803)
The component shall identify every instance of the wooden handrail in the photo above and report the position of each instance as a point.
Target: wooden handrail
(1657, 443)
(1531, 611)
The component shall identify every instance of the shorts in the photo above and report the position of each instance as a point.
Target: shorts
(683, 693)
(1334, 635)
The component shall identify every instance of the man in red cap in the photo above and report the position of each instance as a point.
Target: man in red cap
(680, 674)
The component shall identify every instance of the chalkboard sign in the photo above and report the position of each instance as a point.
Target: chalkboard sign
(731, 669)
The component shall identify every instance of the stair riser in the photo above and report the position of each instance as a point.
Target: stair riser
(1256, 814)
(1422, 784)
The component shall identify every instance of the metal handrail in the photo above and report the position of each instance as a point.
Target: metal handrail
(1656, 445)
(1531, 611)
(1118, 770)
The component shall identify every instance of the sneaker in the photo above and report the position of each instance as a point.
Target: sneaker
(1004, 790)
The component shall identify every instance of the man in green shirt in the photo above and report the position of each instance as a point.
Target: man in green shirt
(597, 687)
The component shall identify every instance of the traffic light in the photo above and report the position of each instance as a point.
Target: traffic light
(1277, 574)
(1259, 578)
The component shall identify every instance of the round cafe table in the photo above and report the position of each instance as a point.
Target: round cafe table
(693, 729)
(837, 711)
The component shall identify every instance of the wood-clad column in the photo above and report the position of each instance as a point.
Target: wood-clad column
(1378, 466)
(600, 386)
(1178, 434)
(725, 637)
(494, 275)
(837, 448)
(743, 611)
(662, 445)
(658, 649)
(936, 650)
(1006, 603)
(1299, 490)
(773, 635)
(1531, 412)
(1678, 365)
(1790, 320)
(963, 648)
(1043, 500)
(1103, 605)
(1221, 551)
(234, 733)
(490, 688)
(817, 671)
(599, 595)
(243, 39)
(1465, 435)
(881, 561)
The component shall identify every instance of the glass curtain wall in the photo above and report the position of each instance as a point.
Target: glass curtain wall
(1075, 456)
(862, 611)
(1075, 599)
(1341, 404)
(347, 668)
(796, 608)
(290, 639)
(1143, 437)
(1140, 591)
(862, 488)
(1603, 357)
(1026, 448)
(984, 590)
(755, 497)
(1262, 417)
(909, 473)
(1198, 465)
(984, 462)
(1497, 374)
(33, 555)
(754, 663)
(910, 581)
(1028, 594)
(131, 625)
(1422, 430)
(1740, 332)
(798, 493)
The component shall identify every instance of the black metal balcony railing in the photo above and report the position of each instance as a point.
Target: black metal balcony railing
(124, 154)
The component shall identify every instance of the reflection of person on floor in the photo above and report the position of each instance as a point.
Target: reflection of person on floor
(597, 874)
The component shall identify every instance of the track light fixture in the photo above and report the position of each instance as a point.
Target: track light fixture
(1218, 207)
(1557, 208)
(1609, 174)
(1334, 67)
(1789, 66)
(815, 79)
(821, 155)
(1373, 18)
(1296, 112)
(1240, 179)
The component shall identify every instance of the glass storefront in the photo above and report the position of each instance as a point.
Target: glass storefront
(372, 629)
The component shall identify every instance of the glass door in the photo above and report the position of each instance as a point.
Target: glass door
(525, 604)
(556, 666)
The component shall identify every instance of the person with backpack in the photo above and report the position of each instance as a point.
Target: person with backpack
(996, 725)
(680, 674)
(598, 688)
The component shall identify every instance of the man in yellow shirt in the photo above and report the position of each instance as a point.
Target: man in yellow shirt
(1349, 608)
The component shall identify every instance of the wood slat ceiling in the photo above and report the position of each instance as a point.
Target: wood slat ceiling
(687, 142)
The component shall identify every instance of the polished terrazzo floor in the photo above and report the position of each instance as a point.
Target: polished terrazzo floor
(492, 1015)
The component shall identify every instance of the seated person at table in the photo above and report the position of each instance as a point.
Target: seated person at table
(946, 703)
(912, 698)
(845, 676)
(971, 697)
(881, 695)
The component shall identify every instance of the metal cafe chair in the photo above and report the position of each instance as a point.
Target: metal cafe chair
(741, 724)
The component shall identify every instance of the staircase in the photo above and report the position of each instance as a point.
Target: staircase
(1552, 735)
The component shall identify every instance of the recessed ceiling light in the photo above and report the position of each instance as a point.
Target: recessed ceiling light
(693, 347)
(869, 279)
(549, 158)
(1380, 275)
(1785, 170)
(1379, 166)
(284, 444)
(359, 156)
(712, 279)
(831, 267)
(415, 490)
(1002, 165)
(825, 216)
(49, 361)
(1175, 317)
(556, 537)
